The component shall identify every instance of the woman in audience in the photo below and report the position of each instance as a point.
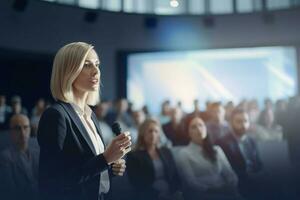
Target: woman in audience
(205, 171)
(151, 169)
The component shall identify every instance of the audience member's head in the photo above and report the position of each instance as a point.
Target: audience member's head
(229, 107)
(101, 110)
(40, 106)
(253, 111)
(20, 131)
(240, 122)
(148, 134)
(166, 108)
(266, 118)
(16, 104)
(280, 105)
(268, 104)
(197, 130)
(176, 115)
(196, 105)
(122, 105)
(138, 117)
(217, 113)
(198, 135)
(2, 100)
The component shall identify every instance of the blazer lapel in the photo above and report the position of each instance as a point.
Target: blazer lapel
(74, 116)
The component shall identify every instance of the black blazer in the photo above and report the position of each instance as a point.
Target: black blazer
(231, 148)
(69, 166)
(141, 172)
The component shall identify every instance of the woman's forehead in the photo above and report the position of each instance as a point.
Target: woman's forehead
(92, 56)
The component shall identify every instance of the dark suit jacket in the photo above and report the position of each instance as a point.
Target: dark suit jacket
(231, 148)
(69, 166)
(141, 172)
(18, 178)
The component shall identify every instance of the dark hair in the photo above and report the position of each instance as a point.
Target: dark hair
(207, 145)
(237, 111)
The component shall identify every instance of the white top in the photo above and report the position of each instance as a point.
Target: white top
(200, 174)
(85, 117)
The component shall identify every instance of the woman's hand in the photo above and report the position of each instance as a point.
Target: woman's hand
(119, 167)
(119, 147)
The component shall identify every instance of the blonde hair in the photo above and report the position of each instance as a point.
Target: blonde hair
(140, 145)
(67, 65)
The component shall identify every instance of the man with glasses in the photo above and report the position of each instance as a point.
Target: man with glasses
(19, 163)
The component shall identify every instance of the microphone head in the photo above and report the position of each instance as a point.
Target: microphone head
(116, 128)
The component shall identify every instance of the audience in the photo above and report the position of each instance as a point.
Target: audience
(174, 130)
(204, 168)
(101, 110)
(36, 114)
(151, 169)
(241, 131)
(19, 163)
(241, 151)
(165, 113)
(5, 110)
(217, 126)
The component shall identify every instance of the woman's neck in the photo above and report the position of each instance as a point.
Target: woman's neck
(80, 98)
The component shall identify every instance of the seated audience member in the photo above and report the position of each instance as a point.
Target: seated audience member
(280, 112)
(196, 111)
(4, 112)
(138, 117)
(120, 113)
(229, 107)
(36, 114)
(204, 169)
(19, 163)
(16, 108)
(101, 110)
(241, 151)
(151, 170)
(269, 130)
(174, 130)
(217, 126)
(165, 113)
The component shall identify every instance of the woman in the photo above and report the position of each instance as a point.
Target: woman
(204, 169)
(151, 170)
(74, 163)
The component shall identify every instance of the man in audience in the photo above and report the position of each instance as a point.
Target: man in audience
(174, 130)
(242, 152)
(217, 126)
(19, 163)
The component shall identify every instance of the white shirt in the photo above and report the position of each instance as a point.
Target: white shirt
(85, 117)
(200, 174)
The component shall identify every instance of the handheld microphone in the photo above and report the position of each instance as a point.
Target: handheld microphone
(116, 128)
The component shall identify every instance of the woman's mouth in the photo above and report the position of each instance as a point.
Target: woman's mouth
(94, 80)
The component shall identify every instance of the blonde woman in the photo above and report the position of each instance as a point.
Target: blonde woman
(74, 164)
(151, 169)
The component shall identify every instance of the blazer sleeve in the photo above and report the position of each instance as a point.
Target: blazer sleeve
(54, 168)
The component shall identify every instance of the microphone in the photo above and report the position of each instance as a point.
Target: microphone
(116, 128)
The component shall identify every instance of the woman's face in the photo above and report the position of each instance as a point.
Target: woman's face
(197, 130)
(89, 77)
(151, 136)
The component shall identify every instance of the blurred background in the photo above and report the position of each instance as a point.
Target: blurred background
(164, 57)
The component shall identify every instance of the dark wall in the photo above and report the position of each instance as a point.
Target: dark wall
(44, 27)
